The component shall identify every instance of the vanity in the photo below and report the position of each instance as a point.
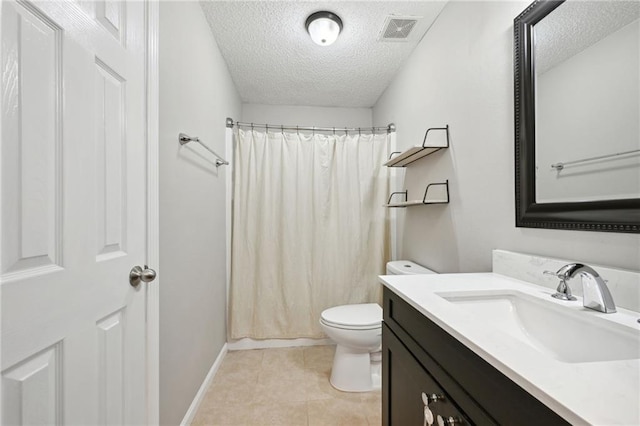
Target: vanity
(459, 386)
(462, 349)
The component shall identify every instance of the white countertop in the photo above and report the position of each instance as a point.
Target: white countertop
(599, 393)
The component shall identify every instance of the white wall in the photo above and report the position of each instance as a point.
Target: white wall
(306, 115)
(587, 106)
(196, 95)
(461, 74)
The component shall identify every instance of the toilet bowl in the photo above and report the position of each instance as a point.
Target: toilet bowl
(357, 331)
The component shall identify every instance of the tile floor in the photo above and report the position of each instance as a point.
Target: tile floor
(283, 386)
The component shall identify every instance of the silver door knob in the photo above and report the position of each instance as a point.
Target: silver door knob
(138, 274)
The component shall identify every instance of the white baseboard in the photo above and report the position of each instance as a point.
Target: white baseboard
(247, 343)
(195, 404)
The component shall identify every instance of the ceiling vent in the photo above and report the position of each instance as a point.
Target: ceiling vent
(398, 28)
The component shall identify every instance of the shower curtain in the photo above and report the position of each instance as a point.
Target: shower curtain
(309, 229)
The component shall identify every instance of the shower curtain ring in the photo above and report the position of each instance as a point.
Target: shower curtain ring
(346, 132)
(334, 131)
(359, 131)
(252, 127)
(298, 130)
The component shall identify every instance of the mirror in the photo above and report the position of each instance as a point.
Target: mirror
(577, 115)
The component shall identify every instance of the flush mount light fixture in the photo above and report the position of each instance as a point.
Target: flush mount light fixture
(324, 27)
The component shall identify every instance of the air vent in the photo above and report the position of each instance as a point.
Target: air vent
(398, 28)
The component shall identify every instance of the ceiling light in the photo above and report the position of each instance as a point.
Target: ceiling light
(324, 27)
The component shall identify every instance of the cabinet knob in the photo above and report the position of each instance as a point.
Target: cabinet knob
(428, 416)
(428, 399)
(433, 397)
(449, 421)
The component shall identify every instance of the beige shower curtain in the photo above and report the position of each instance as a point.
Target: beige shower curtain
(309, 229)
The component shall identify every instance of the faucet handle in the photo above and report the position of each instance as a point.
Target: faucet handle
(563, 292)
(561, 274)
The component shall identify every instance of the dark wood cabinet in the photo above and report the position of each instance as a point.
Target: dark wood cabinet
(410, 383)
(420, 357)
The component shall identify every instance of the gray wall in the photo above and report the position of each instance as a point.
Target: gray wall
(306, 115)
(461, 74)
(196, 95)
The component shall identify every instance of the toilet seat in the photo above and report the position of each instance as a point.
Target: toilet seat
(362, 316)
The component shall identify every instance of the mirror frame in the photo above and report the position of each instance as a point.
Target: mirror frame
(604, 216)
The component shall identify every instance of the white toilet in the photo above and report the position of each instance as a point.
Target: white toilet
(357, 332)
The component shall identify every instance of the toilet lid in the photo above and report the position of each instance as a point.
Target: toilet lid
(362, 315)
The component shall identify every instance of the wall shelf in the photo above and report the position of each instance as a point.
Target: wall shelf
(425, 200)
(403, 159)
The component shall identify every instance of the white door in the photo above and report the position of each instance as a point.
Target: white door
(73, 212)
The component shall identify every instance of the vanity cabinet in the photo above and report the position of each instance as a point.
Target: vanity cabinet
(411, 386)
(420, 357)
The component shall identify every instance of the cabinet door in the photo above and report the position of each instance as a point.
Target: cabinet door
(404, 382)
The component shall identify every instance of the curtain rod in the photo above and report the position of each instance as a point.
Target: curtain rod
(390, 128)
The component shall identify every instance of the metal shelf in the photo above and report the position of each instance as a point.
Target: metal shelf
(415, 153)
(424, 201)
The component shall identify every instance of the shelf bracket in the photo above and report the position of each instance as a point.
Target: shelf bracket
(426, 191)
(406, 195)
(446, 129)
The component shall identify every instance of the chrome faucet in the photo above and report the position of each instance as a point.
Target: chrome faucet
(595, 293)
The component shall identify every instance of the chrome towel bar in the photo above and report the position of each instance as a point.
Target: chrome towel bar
(183, 138)
(559, 166)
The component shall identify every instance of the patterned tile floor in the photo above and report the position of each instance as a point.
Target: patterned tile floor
(284, 386)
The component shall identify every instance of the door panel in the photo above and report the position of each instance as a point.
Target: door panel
(111, 371)
(31, 390)
(110, 15)
(73, 212)
(111, 209)
(31, 189)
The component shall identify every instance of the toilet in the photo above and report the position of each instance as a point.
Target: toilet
(357, 331)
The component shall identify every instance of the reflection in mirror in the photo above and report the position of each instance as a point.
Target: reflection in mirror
(587, 94)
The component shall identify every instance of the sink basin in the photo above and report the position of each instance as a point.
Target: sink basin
(567, 334)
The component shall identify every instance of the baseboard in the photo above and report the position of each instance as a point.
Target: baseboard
(247, 343)
(195, 404)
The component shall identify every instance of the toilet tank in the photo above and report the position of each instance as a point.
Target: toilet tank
(406, 267)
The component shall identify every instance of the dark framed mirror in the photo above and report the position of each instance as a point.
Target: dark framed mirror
(577, 115)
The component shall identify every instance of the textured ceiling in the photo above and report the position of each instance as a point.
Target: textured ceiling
(576, 25)
(273, 61)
